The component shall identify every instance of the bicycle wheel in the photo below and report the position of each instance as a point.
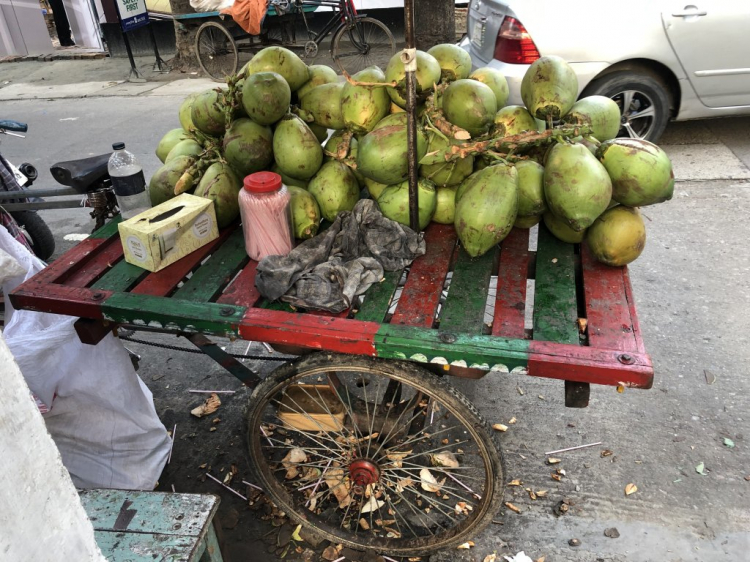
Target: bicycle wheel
(365, 42)
(374, 454)
(216, 51)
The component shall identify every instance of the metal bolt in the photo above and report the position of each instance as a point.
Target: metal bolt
(226, 311)
(97, 296)
(626, 359)
(448, 338)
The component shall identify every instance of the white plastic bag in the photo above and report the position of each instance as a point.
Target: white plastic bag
(102, 416)
(210, 5)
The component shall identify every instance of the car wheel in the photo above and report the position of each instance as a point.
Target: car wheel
(643, 99)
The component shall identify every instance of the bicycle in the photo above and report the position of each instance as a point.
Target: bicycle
(358, 41)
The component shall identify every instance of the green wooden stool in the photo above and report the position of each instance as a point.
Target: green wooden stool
(146, 526)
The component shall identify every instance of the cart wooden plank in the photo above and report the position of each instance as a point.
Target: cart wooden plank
(242, 290)
(510, 301)
(465, 305)
(378, 298)
(109, 253)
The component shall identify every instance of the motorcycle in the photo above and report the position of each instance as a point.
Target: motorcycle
(87, 176)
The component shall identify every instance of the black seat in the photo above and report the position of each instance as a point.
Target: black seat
(81, 174)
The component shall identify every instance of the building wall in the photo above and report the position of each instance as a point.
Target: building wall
(41, 517)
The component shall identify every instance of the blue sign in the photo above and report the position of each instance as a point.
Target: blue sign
(133, 14)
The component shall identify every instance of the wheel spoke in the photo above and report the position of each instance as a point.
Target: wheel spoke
(631, 132)
(647, 112)
(627, 100)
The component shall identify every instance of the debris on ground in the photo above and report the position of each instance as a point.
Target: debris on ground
(512, 420)
(553, 460)
(499, 427)
(612, 533)
(520, 557)
(562, 507)
(710, 377)
(490, 557)
(630, 489)
(701, 469)
(208, 407)
(512, 507)
(520, 390)
(606, 453)
(465, 546)
(574, 542)
(728, 443)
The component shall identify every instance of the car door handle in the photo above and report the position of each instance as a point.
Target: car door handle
(689, 14)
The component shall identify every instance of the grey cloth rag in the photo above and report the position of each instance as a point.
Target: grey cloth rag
(328, 271)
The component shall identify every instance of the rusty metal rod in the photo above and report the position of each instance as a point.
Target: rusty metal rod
(410, 64)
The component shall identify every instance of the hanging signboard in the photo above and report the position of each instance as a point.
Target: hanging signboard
(133, 14)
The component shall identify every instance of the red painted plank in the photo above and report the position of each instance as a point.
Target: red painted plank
(610, 325)
(510, 302)
(105, 256)
(242, 290)
(419, 300)
(587, 364)
(70, 262)
(640, 346)
(162, 283)
(59, 299)
(309, 331)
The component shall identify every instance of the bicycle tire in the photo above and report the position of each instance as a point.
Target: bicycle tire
(216, 51)
(42, 240)
(350, 56)
(441, 409)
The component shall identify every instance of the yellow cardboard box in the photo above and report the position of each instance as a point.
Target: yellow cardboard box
(160, 236)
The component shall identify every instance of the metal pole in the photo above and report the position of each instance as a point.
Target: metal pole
(133, 68)
(159, 60)
(409, 58)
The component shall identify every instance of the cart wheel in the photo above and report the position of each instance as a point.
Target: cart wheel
(366, 42)
(374, 454)
(216, 51)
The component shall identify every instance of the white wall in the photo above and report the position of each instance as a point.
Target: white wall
(41, 517)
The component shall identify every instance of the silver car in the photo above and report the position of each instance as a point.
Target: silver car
(658, 59)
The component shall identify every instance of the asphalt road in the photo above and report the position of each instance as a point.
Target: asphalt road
(692, 289)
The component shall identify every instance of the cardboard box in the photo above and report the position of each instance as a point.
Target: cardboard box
(311, 407)
(162, 235)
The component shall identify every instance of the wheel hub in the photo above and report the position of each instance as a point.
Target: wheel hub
(362, 473)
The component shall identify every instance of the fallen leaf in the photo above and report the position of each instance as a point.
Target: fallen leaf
(556, 477)
(515, 482)
(490, 557)
(606, 453)
(554, 260)
(404, 483)
(415, 559)
(541, 559)
(710, 377)
(216, 420)
(552, 460)
(511, 421)
(338, 483)
(561, 472)
(213, 429)
(541, 397)
(330, 553)
(364, 524)
(211, 404)
(520, 557)
(541, 493)
(728, 442)
(295, 535)
(531, 493)
(701, 469)
(520, 390)
(462, 508)
(293, 457)
(204, 465)
(747, 478)
(630, 489)
(512, 507)
(429, 483)
(444, 459)
(499, 427)
(397, 457)
(582, 324)
(465, 546)
(373, 504)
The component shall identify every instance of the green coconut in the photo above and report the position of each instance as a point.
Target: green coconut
(471, 105)
(495, 80)
(394, 202)
(335, 189)
(531, 201)
(641, 172)
(283, 61)
(266, 97)
(549, 88)
(296, 149)
(445, 208)
(220, 184)
(168, 142)
(186, 147)
(319, 74)
(445, 173)
(600, 113)
(207, 113)
(455, 63)
(305, 213)
(248, 146)
(374, 188)
(560, 229)
(527, 222)
(186, 112)
(335, 145)
(428, 74)
(324, 104)
(362, 107)
(382, 154)
(577, 187)
(161, 186)
(618, 236)
(391, 120)
(512, 120)
(289, 180)
(487, 209)
(320, 132)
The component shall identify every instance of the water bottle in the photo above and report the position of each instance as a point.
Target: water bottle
(128, 182)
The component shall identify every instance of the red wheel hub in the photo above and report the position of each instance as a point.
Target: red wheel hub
(363, 472)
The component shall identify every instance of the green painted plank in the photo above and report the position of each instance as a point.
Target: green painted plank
(464, 308)
(466, 350)
(122, 277)
(210, 279)
(108, 229)
(378, 297)
(173, 315)
(145, 547)
(555, 308)
(276, 305)
(152, 512)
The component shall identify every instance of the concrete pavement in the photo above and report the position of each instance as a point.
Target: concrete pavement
(692, 288)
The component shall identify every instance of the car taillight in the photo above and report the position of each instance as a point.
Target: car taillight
(514, 44)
